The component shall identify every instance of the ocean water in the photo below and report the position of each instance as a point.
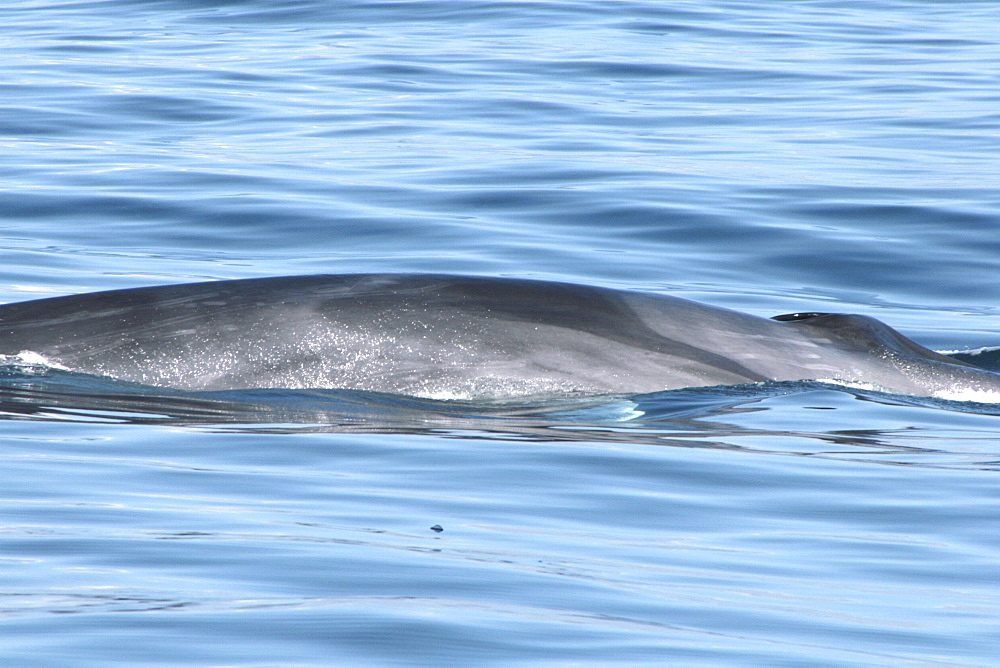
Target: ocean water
(767, 157)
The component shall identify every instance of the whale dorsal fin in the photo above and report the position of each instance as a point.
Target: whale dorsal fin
(863, 333)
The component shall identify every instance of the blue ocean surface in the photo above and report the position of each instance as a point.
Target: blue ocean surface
(767, 157)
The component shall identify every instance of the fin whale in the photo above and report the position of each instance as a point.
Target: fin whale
(445, 336)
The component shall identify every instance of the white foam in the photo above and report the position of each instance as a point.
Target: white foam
(851, 384)
(973, 352)
(31, 359)
(446, 395)
(969, 394)
(954, 393)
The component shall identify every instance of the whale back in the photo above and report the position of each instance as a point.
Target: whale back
(447, 336)
(414, 334)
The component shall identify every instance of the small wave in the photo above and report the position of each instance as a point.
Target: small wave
(955, 394)
(985, 358)
(30, 386)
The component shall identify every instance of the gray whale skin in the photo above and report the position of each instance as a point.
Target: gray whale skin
(459, 337)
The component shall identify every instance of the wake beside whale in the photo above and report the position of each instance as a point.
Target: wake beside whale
(443, 336)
